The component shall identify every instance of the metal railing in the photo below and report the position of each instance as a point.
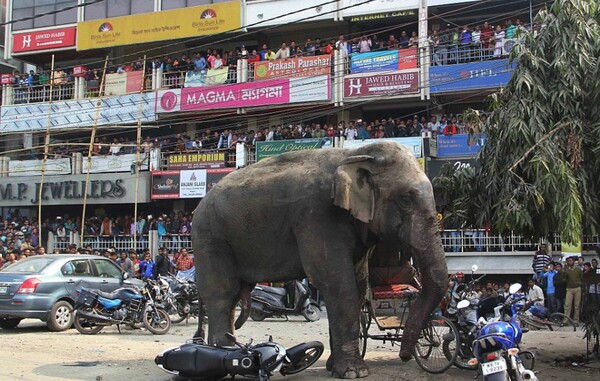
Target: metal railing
(176, 79)
(175, 242)
(42, 93)
(457, 54)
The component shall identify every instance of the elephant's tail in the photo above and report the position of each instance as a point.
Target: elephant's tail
(245, 302)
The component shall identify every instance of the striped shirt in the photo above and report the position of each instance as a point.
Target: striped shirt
(540, 261)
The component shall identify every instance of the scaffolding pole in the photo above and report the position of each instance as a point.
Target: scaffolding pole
(137, 154)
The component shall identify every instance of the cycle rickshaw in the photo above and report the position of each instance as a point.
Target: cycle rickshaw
(385, 312)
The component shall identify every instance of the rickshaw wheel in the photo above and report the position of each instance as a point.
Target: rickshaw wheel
(363, 334)
(429, 351)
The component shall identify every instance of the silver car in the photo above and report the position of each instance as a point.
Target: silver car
(45, 287)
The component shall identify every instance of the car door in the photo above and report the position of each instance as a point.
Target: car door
(109, 275)
(78, 273)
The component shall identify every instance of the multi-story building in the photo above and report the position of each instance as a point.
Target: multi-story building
(106, 68)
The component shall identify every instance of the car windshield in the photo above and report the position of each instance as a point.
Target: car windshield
(29, 266)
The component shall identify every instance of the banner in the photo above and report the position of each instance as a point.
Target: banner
(292, 67)
(196, 160)
(159, 26)
(247, 94)
(34, 167)
(206, 77)
(384, 60)
(470, 76)
(414, 144)
(123, 83)
(185, 184)
(277, 147)
(460, 145)
(115, 163)
(44, 40)
(389, 84)
(434, 167)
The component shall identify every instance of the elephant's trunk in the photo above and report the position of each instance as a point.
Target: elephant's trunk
(427, 250)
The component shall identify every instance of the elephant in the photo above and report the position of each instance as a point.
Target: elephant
(319, 214)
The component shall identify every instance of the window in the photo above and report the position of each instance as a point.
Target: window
(116, 8)
(29, 8)
(78, 267)
(107, 269)
(33, 265)
(174, 4)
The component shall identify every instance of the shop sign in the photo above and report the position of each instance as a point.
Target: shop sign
(460, 145)
(34, 167)
(470, 76)
(292, 67)
(102, 189)
(277, 147)
(388, 84)
(185, 184)
(159, 26)
(381, 16)
(49, 39)
(414, 144)
(434, 167)
(247, 94)
(196, 160)
(384, 60)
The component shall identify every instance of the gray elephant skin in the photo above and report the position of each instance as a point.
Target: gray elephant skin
(318, 214)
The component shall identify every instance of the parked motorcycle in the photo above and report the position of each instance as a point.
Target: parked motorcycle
(293, 299)
(129, 305)
(179, 297)
(261, 361)
(496, 348)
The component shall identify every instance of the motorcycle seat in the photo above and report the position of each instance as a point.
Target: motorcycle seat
(107, 295)
(273, 290)
(394, 291)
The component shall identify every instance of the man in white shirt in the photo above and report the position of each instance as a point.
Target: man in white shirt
(283, 52)
(534, 293)
(342, 46)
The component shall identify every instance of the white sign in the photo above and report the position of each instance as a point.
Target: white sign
(414, 144)
(115, 163)
(192, 184)
(34, 167)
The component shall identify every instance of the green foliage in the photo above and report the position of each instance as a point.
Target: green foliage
(539, 172)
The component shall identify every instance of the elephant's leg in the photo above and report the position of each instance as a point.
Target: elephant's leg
(331, 269)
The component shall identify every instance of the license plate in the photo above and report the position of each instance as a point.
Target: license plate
(493, 367)
(3, 290)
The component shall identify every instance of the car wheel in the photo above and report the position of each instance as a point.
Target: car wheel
(61, 316)
(9, 323)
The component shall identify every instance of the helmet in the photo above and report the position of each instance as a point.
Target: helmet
(459, 275)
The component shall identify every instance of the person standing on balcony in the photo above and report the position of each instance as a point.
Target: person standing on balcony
(253, 57)
(404, 41)
(541, 259)
(365, 44)
(309, 47)
(283, 52)
(218, 62)
(476, 36)
(487, 38)
(573, 276)
(200, 62)
(443, 43)
(499, 35)
(342, 46)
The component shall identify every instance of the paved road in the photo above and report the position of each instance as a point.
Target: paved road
(32, 353)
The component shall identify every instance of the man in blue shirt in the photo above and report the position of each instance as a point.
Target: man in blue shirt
(200, 62)
(148, 267)
(548, 275)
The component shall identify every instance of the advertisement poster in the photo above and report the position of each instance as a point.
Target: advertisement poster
(292, 67)
(460, 145)
(49, 39)
(384, 60)
(34, 167)
(377, 84)
(206, 77)
(414, 144)
(165, 185)
(274, 148)
(470, 76)
(159, 26)
(186, 183)
(196, 160)
(193, 183)
(123, 83)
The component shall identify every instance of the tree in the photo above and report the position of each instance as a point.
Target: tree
(539, 173)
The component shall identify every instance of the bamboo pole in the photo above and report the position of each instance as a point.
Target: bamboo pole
(137, 153)
(91, 148)
(46, 149)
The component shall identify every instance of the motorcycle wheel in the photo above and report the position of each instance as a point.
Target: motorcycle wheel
(85, 326)
(175, 314)
(157, 321)
(256, 315)
(312, 312)
(462, 358)
(313, 352)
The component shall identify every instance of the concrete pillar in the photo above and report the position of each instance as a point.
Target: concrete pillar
(153, 242)
(51, 240)
(80, 88)
(7, 95)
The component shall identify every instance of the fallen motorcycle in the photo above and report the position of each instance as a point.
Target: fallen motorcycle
(261, 361)
(293, 299)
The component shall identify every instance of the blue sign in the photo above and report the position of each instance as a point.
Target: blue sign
(375, 61)
(470, 76)
(461, 145)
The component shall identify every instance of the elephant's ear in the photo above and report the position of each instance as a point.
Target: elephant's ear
(352, 190)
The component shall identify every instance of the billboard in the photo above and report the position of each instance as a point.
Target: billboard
(196, 160)
(159, 26)
(460, 145)
(277, 147)
(384, 60)
(185, 184)
(123, 83)
(292, 67)
(470, 76)
(390, 84)
(414, 144)
(247, 94)
(34, 167)
(48, 39)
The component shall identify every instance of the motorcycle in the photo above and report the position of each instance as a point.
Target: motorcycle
(179, 297)
(496, 347)
(261, 361)
(131, 305)
(293, 299)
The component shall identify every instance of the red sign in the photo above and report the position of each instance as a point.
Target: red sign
(292, 67)
(389, 84)
(407, 58)
(44, 40)
(79, 71)
(6, 79)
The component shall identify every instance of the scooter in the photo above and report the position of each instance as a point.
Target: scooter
(496, 348)
(293, 299)
(261, 361)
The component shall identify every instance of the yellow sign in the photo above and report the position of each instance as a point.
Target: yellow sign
(159, 26)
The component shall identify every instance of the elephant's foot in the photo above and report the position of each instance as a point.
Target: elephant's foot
(347, 367)
(405, 355)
